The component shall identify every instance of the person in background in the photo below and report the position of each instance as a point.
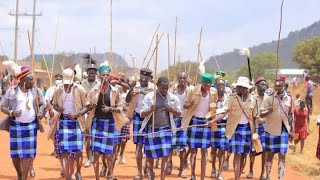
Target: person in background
(297, 101)
(301, 124)
(44, 92)
(311, 86)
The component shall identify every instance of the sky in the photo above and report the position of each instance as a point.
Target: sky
(81, 25)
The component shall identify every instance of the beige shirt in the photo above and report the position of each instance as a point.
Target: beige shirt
(195, 94)
(174, 90)
(79, 99)
(235, 112)
(89, 85)
(279, 114)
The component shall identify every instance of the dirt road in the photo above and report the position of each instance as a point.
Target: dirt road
(47, 167)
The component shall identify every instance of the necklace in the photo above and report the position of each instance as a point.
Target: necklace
(27, 101)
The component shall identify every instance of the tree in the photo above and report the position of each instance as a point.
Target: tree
(260, 63)
(307, 54)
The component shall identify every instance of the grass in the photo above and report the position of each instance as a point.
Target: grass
(307, 163)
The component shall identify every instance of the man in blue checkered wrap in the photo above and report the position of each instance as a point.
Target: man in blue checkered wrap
(71, 103)
(278, 128)
(25, 106)
(242, 111)
(261, 96)
(197, 105)
(106, 113)
(179, 140)
(134, 97)
(219, 142)
(158, 110)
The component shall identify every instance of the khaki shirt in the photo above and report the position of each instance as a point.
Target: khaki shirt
(80, 101)
(261, 105)
(135, 98)
(195, 94)
(93, 96)
(87, 86)
(279, 115)
(235, 111)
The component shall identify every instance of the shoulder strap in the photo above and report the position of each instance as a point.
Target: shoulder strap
(249, 118)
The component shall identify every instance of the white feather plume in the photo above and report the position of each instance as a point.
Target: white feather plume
(12, 67)
(245, 52)
(202, 68)
(106, 63)
(78, 69)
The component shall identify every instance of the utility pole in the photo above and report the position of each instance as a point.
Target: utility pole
(17, 14)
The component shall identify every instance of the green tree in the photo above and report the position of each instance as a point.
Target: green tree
(307, 54)
(260, 63)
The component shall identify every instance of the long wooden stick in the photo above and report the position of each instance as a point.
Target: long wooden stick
(278, 44)
(110, 53)
(175, 49)
(154, 50)
(154, 81)
(154, 34)
(45, 63)
(198, 56)
(55, 47)
(168, 69)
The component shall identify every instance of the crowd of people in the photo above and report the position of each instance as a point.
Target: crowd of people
(95, 114)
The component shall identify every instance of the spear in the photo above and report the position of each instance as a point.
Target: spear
(55, 47)
(154, 50)
(144, 59)
(110, 53)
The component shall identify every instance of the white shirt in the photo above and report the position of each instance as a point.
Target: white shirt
(68, 102)
(203, 107)
(27, 115)
(243, 119)
(181, 98)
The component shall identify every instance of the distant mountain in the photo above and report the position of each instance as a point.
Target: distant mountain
(77, 58)
(231, 60)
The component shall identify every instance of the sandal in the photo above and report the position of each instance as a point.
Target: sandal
(250, 175)
(182, 174)
(62, 173)
(103, 171)
(169, 168)
(32, 173)
(213, 174)
(225, 165)
(138, 177)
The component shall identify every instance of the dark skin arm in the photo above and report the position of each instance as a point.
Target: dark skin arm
(173, 111)
(83, 111)
(148, 112)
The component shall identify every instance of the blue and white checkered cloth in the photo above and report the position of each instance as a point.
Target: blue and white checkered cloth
(137, 121)
(117, 138)
(70, 135)
(241, 140)
(103, 128)
(218, 138)
(125, 132)
(23, 139)
(277, 144)
(199, 137)
(179, 140)
(159, 144)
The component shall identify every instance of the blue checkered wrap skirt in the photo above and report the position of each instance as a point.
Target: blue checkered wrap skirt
(262, 137)
(179, 140)
(102, 132)
(218, 138)
(241, 140)
(117, 138)
(70, 135)
(23, 139)
(137, 121)
(199, 137)
(125, 132)
(159, 144)
(277, 144)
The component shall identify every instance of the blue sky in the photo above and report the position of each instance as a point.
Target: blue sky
(84, 24)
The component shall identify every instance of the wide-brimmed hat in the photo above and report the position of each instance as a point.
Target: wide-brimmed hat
(243, 82)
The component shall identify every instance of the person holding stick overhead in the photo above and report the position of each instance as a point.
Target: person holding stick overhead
(134, 97)
(240, 127)
(261, 97)
(70, 101)
(106, 113)
(278, 127)
(219, 142)
(197, 105)
(163, 105)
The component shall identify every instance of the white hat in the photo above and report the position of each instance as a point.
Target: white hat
(68, 75)
(243, 82)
